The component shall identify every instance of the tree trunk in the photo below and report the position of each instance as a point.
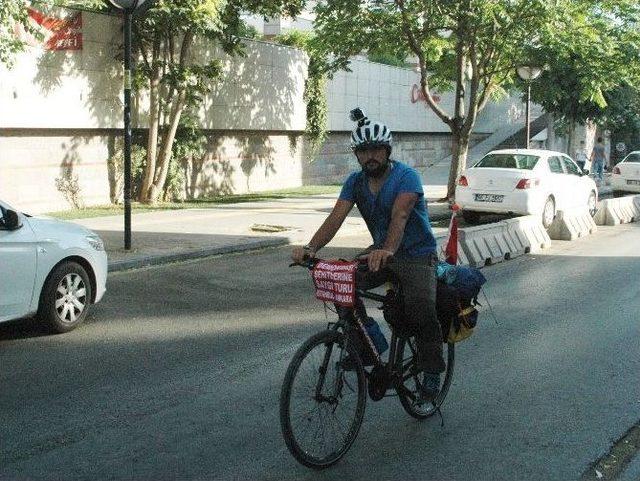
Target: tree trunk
(154, 107)
(459, 151)
(167, 144)
(551, 132)
(571, 138)
(152, 141)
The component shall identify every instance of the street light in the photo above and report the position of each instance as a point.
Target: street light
(528, 73)
(128, 8)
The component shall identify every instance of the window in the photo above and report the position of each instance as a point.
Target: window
(632, 157)
(555, 166)
(570, 167)
(508, 161)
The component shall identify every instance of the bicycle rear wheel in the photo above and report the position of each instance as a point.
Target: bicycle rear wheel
(412, 381)
(322, 400)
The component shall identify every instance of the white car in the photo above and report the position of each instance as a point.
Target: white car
(625, 177)
(48, 267)
(524, 182)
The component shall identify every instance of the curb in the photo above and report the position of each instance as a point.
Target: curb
(159, 259)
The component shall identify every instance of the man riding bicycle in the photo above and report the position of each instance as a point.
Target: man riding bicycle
(390, 198)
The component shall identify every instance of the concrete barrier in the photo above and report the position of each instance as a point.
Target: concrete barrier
(527, 233)
(570, 224)
(492, 243)
(618, 211)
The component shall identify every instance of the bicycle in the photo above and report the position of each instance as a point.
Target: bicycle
(328, 373)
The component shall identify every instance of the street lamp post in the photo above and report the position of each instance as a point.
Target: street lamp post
(528, 73)
(128, 8)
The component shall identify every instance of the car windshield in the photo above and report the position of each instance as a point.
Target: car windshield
(632, 157)
(508, 161)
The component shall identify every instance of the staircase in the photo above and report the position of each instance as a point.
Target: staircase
(519, 139)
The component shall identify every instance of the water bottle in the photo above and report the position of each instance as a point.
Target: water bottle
(376, 335)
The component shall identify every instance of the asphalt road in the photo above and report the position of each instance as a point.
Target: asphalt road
(177, 373)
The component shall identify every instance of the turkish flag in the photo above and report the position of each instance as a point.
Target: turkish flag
(451, 249)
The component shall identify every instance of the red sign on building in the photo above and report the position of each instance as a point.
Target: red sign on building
(58, 33)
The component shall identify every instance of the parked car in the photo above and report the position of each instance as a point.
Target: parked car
(50, 268)
(525, 182)
(625, 177)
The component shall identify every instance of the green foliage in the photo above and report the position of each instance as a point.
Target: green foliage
(249, 32)
(115, 165)
(190, 143)
(589, 51)
(387, 59)
(13, 13)
(178, 42)
(69, 186)
(315, 87)
(470, 46)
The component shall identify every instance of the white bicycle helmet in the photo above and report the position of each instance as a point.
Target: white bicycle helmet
(368, 133)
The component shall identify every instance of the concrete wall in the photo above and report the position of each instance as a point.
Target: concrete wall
(60, 112)
(244, 162)
(83, 88)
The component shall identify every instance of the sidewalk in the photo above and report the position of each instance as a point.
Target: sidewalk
(174, 235)
(161, 237)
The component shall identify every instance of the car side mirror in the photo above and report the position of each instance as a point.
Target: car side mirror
(11, 220)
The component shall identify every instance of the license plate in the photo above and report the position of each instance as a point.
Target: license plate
(633, 182)
(489, 198)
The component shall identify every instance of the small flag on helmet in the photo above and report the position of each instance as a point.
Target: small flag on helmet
(451, 249)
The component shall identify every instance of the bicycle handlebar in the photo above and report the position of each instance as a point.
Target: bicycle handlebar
(310, 263)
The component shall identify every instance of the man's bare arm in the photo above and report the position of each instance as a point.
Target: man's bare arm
(331, 225)
(402, 208)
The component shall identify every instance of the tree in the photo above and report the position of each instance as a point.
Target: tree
(590, 52)
(470, 46)
(12, 14)
(176, 76)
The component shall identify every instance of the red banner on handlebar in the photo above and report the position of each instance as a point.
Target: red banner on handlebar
(335, 282)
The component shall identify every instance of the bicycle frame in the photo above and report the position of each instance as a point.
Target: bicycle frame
(394, 368)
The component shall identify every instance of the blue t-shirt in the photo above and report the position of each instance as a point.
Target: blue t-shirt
(376, 210)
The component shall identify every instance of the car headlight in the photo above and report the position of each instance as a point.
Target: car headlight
(95, 242)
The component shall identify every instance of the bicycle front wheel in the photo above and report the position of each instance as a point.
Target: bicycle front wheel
(322, 400)
(411, 381)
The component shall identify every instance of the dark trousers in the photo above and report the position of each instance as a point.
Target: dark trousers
(417, 278)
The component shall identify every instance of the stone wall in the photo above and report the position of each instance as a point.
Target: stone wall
(336, 160)
(31, 162)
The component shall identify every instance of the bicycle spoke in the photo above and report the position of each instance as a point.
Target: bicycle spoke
(320, 421)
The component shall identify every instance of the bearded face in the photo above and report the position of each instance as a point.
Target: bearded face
(374, 161)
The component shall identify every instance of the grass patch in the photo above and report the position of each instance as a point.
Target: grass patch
(204, 202)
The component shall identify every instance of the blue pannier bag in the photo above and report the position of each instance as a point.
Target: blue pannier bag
(466, 280)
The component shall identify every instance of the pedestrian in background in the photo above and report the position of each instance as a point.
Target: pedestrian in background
(598, 158)
(581, 156)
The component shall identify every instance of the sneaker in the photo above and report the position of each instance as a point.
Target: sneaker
(430, 387)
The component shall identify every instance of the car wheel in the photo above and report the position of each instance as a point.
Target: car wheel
(549, 212)
(592, 204)
(65, 298)
(471, 217)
